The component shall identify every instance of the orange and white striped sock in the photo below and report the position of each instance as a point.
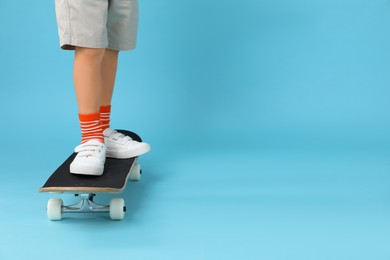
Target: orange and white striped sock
(105, 112)
(90, 127)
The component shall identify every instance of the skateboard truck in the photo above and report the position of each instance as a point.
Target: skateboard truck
(116, 209)
(87, 205)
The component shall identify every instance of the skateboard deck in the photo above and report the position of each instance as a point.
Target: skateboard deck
(113, 180)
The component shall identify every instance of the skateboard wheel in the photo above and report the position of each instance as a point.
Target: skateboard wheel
(135, 173)
(117, 209)
(54, 209)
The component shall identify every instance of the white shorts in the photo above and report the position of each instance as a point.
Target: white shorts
(111, 24)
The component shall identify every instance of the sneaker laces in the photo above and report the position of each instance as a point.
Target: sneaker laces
(88, 149)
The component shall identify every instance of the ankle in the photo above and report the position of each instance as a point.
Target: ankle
(90, 127)
(105, 113)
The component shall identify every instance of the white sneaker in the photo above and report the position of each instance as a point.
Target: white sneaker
(120, 146)
(90, 158)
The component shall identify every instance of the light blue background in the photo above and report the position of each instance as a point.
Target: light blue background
(269, 123)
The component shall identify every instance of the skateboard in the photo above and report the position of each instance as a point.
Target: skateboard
(116, 174)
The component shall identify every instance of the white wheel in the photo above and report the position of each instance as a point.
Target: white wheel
(54, 209)
(117, 209)
(135, 172)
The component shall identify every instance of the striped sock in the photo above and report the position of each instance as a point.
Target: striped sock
(105, 112)
(90, 127)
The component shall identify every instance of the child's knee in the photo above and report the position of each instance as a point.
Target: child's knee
(90, 53)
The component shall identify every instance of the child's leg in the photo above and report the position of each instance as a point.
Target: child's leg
(91, 154)
(88, 86)
(88, 79)
(109, 67)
